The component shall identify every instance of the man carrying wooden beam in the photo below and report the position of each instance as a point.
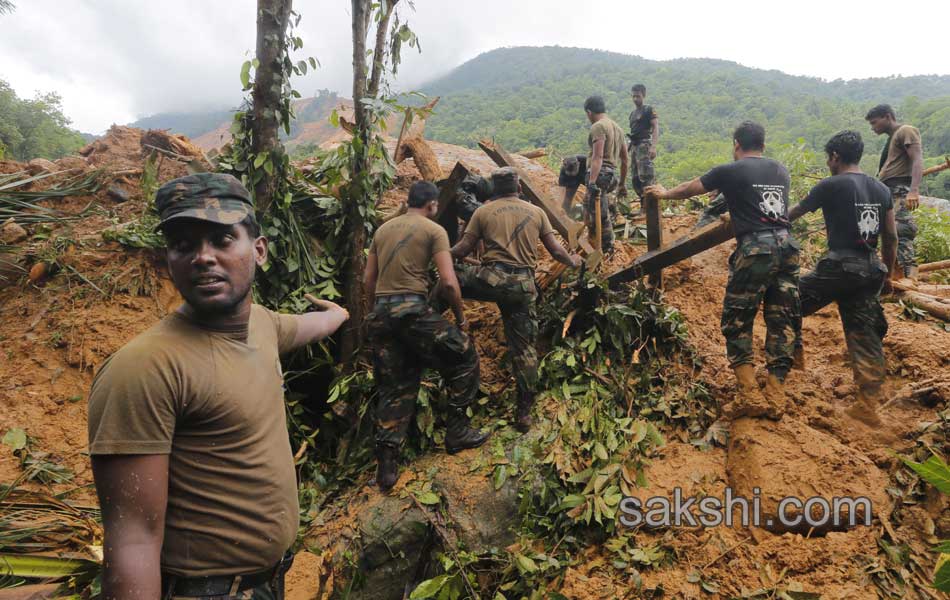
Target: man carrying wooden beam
(857, 209)
(764, 266)
(901, 169)
(511, 228)
(607, 150)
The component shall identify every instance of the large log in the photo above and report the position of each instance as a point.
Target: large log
(567, 227)
(424, 157)
(934, 266)
(412, 128)
(689, 245)
(536, 153)
(934, 306)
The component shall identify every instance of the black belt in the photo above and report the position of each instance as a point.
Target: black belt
(778, 234)
(394, 298)
(222, 585)
(511, 268)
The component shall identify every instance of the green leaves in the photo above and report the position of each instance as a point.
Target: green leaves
(15, 439)
(246, 75)
(942, 573)
(428, 588)
(934, 471)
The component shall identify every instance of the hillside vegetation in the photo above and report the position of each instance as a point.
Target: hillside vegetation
(531, 97)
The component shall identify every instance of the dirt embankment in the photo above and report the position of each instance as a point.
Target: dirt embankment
(57, 330)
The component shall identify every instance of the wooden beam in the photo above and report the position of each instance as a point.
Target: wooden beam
(567, 227)
(654, 235)
(689, 245)
(447, 216)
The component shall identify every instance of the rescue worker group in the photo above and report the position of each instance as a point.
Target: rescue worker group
(187, 434)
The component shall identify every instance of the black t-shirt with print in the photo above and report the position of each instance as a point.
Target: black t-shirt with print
(641, 127)
(756, 191)
(853, 205)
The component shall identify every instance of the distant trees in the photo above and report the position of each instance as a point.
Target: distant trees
(34, 128)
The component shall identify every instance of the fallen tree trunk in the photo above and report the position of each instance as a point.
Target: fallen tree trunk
(424, 157)
(937, 307)
(689, 245)
(537, 153)
(934, 266)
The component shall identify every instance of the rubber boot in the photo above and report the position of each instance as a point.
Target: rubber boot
(798, 359)
(911, 272)
(387, 467)
(775, 395)
(864, 409)
(523, 411)
(749, 401)
(458, 435)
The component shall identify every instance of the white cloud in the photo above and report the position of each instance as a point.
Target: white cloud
(115, 60)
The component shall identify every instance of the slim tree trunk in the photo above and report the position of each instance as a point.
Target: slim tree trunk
(272, 19)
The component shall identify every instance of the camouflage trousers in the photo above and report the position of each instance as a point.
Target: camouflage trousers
(407, 337)
(712, 212)
(853, 280)
(641, 166)
(764, 267)
(906, 226)
(516, 296)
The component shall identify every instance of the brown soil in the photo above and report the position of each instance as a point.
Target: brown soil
(56, 332)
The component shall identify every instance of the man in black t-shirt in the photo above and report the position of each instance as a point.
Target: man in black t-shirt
(764, 267)
(857, 209)
(644, 136)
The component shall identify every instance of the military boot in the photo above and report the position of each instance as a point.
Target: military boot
(458, 435)
(749, 401)
(864, 409)
(775, 395)
(523, 411)
(798, 359)
(387, 467)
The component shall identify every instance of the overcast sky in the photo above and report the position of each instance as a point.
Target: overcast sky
(116, 60)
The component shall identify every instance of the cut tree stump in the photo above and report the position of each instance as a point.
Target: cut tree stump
(689, 245)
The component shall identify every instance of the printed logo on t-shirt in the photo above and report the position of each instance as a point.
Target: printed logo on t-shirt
(773, 200)
(869, 220)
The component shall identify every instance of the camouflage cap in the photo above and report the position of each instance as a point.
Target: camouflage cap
(214, 197)
(504, 181)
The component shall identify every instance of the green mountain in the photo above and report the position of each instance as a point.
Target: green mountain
(529, 97)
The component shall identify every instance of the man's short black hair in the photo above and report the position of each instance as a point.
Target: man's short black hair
(880, 111)
(421, 193)
(750, 135)
(595, 104)
(848, 145)
(639, 87)
(252, 227)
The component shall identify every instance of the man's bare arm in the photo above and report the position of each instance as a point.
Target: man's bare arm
(315, 326)
(655, 125)
(558, 252)
(133, 495)
(916, 154)
(889, 246)
(449, 285)
(680, 192)
(464, 246)
(596, 160)
(797, 212)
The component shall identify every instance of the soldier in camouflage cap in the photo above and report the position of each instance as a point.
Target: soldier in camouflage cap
(214, 197)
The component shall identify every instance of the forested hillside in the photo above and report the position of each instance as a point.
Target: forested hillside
(34, 128)
(531, 97)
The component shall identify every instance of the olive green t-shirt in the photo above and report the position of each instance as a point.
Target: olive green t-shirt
(404, 247)
(613, 140)
(213, 401)
(510, 228)
(898, 161)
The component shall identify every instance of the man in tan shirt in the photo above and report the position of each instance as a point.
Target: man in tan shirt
(511, 229)
(901, 169)
(407, 335)
(187, 430)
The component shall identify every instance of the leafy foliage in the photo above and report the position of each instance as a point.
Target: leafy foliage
(35, 128)
(933, 235)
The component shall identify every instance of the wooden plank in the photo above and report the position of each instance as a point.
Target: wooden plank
(654, 235)
(563, 224)
(689, 245)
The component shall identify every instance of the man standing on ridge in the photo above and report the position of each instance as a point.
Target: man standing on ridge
(407, 335)
(187, 427)
(607, 150)
(857, 208)
(644, 136)
(510, 229)
(764, 267)
(901, 169)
